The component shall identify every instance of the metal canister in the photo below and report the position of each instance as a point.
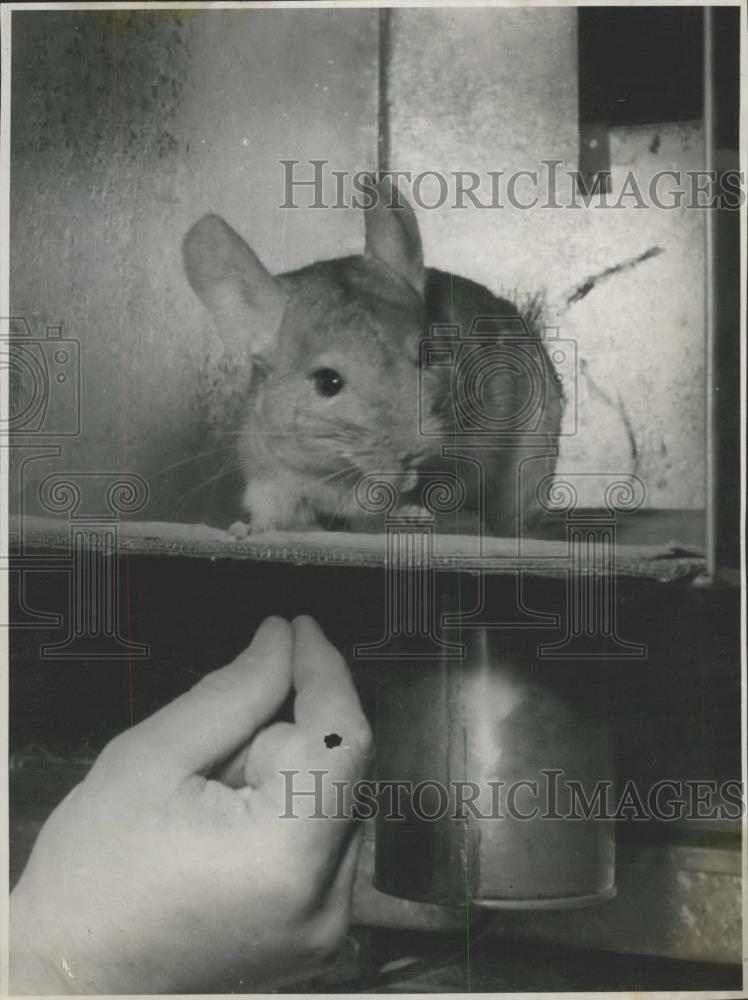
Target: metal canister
(528, 739)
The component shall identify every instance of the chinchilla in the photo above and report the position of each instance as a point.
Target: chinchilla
(377, 366)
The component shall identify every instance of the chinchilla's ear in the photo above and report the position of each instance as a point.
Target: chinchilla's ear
(392, 235)
(244, 299)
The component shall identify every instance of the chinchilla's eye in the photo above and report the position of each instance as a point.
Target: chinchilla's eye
(327, 381)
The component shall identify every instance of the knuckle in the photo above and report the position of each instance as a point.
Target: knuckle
(307, 891)
(362, 737)
(217, 683)
(325, 932)
(290, 881)
(116, 754)
(304, 884)
(125, 758)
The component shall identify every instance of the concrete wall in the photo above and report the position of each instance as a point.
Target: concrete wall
(127, 126)
(489, 90)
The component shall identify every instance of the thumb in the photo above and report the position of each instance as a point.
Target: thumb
(224, 710)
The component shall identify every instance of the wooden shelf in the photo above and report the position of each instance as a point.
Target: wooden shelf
(663, 545)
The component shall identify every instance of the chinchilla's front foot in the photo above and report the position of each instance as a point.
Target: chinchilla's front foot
(414, 510)
(241, 530)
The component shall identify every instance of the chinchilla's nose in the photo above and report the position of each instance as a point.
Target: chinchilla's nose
(412, 459)
(410, 479)
(409, 465)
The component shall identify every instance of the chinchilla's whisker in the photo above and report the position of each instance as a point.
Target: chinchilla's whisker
(344, 499)
(339, 506)
(331, 476)
(294, 435)
(346, 428)
(225, 471)
(338, 474)
(194, 458)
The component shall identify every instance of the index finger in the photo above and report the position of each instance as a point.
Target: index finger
(224, 710)
(326, 707)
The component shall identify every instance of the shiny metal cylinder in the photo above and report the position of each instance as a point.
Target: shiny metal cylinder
(517, 730)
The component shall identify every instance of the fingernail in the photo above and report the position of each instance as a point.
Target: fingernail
(268, 634)
(305, 623)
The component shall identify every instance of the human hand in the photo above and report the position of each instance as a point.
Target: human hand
(169, 868)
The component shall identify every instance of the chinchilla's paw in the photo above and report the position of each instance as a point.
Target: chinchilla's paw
(414, 510)
(241, 530)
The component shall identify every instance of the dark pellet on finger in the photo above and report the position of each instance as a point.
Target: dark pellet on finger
(333, 740)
